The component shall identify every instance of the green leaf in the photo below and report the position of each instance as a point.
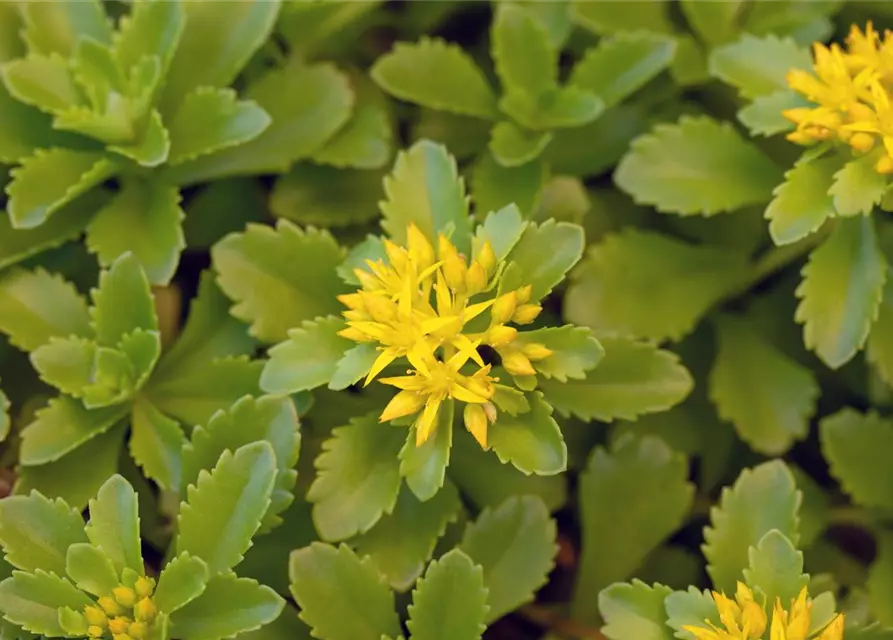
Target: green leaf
(41, 81)
(122, 302)
(212, 119)
(69, 364)
(228, 606)
(195, 394)
(513, 146)
(543, 273)
(631, 380)
(5, 422)
(621, 65)
(279, 277)
(758, 66)
(366, 141)
(879, 348)
(223, 510)
(525, 59)
(153, 147)
(776, 568)
(450, 602)
(326, 196)
(763, 498)
(355, 364)
(880, 581)
(610, 18)
(690, 608)
(62, 426)
(641, 488)
(36, 532)
(569, 106)
(767, 396)
(91, 569)
(30, 600)
(214, 48)
(156, 443)
(635, 611)
(317, 102)
(146, 219)
(17, 245)
(858, 187)
(309, 358)
(358, 478)
(327, 582)
(696, 166)
(425, 189)
(852, 443)
(114, 524)
(402, 542)
(515, 545)
(151, 29)
(574, 351)
(763, 116)
(802, 202)
(269, 419)
(714, 22)
(48, 180)
(841, 291)
(531, 441)
(56, 28)
(494, 187)
(424, 466)
(36, 306)
(25, 129)
(78, 475)
(435, 74)
(223, 207)
(181, 581)
(642, 284)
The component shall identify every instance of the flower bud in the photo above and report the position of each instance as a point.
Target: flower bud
(476, 278)
(125, 596)
(144, 587)
(526, 313)
(504, 308)
(535, 351)
(145, 610)
(476, 423)
(501, 335)
(517, 364)
(95, 616)
(121, 636)
(487, 258)
(138, 630)
(95, 632)
(490, 410)
(453, 265)
(110, 606)
(119, 625)
(884, 165)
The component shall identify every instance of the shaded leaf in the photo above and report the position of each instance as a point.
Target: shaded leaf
(525, 59)
(763, 116)
(326, 196)
(56, 28)
(156, 442)
(495, 186)
(309, 358)
(758, 66)
(513, 146)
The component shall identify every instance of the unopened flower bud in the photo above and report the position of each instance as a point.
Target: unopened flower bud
(535, 351)
(487, 258)
(490, 410)
(504, 308)
(121, 636)
(110, 606)
(138, 630)
(145, 610)
(476, 278)
(501, 335)
(119, 625)
(524, 294)
(124, 596)
(453, 265)
(95, 632)
(517, 364)
(862, 141)
(476, 423)
(144, 587)
(95, 616)
(884, 165)
(526, 313)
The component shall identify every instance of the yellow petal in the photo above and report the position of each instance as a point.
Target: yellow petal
(753, 620)
(385, 358)
(427, 420)
(833, 631)
(379, 306)
(701, 633)
(407, 383)
(729, 612)
(460, 391)
(476, 423)
(779, 618)
(472, 311)
(402, 404)
(420, 248)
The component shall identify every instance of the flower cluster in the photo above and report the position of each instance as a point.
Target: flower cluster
(430, 308)
(126, 613)
(852, 90)
(745, 619)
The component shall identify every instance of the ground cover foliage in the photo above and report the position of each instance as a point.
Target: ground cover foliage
(446, 320)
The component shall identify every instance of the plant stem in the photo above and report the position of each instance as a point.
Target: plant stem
(552, 621)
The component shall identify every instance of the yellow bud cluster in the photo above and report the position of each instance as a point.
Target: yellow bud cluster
(851, 88)
(126, 613)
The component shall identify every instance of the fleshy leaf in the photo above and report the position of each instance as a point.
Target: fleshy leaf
(41, 81)
(425, 188)
(531, 441)
(30, 600)
(853, 443)
(763, 116)
(495, 187)
(621, 65)
(358, 478)
(146, 219)
(36, 306)
(775, 568)
(515, 545)
(642, 284)
(696, 166)
(50, 179)
(858, 187)
(25, 129)
(91, 569)
(763, 498)
(513, 146)
(802, 203)
(841, 291)
(181, 581)
(564, 107)
(450, 601)
(69, 364)
(223, 510)
(308, 358)
(270, 419)
(63, 425)
(574, 351)
(153, 147)
(758, 66)
(631, 380)
(692, 607)
(607, 19)
(366, 140)
(879, 348)
(765, 394)
(543, 273)
(715, 23)
(57, 27)
(327, 582)
(525, 59)
(150, 29)
(115, 525)
(35, 532)
(279, 277)
(635, 610)
(402, 542)
(424, 467)
(156, 444)
(435, 74)
(229, 606)
(353, 366)
(122, 302)
(211, 119)
(641, 487)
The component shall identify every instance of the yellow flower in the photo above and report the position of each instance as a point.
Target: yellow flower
(418, 305)
(745, 619)
(125, 613)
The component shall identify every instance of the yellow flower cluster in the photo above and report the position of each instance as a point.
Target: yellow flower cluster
(125, 614)
(852, 90)
(745, 619)
(418, 306)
